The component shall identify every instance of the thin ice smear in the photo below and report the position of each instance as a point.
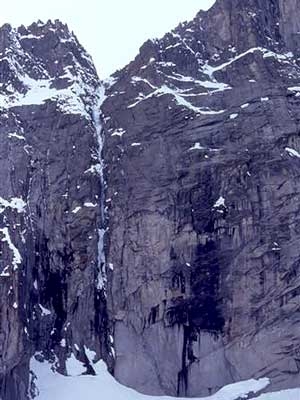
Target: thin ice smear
(101, 231)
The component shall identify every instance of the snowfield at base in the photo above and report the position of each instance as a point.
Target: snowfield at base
(292, 394)
(52, 385)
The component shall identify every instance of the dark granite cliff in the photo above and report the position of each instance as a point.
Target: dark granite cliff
(202, 163)
(153, 220)
(52, 289)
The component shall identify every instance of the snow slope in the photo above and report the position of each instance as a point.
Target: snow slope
(51, 385)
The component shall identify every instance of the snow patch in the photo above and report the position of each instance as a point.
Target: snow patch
(119, 132)
(74, 367)
(217, 86)
(245, 105)
(136, 79)
(76, 209)
(45, 311)
(91, 355)
(16, 136)
(295, 89)
(17, 259)
(165, 90)
(40, 91)
(197, 146)
(94, 169)
(90, 205)
(5, 272)
(220, 202)
(210, 70)
(15, 203)
(180, 100)
(292, 152)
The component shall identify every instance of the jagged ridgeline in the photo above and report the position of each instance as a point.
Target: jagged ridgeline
(152, 220)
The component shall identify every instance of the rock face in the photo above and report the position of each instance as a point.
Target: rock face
(171, 251)
(52, 289)
(202, 158)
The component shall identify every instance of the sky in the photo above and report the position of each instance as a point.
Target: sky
(112, 31)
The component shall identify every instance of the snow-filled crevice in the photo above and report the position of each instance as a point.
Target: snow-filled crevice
(96, 115)
(101, 273)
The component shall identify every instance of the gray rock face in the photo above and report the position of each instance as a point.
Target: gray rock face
(52, 293)
(178, 236)
(202, 169)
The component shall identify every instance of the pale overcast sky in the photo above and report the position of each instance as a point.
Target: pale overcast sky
(111, 30)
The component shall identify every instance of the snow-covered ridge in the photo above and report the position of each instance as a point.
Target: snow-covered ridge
(51, 385)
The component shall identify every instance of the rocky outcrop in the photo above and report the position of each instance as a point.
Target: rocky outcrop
(202, 163)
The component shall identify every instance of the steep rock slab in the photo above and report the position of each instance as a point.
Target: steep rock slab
(52, 282)
(202, 168)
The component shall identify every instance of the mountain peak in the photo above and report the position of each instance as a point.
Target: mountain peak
(41, 28)
(43, 61)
